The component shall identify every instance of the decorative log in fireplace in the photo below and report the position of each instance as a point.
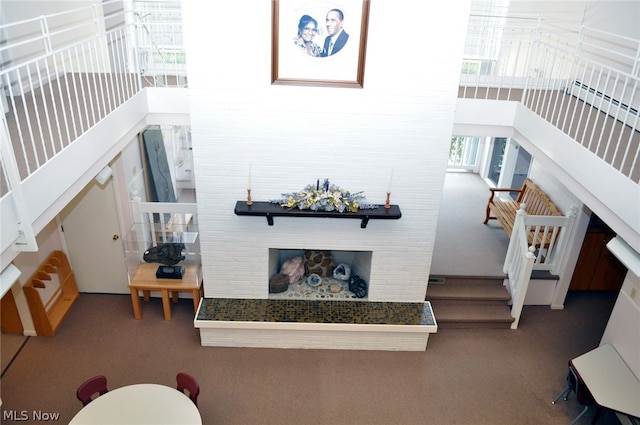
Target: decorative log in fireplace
(270, 210)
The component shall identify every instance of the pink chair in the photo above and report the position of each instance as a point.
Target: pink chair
(95, 385)
(188, 383)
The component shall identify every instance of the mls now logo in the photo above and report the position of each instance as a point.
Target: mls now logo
(23, 415)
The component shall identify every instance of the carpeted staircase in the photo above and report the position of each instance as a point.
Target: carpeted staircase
(469, 302)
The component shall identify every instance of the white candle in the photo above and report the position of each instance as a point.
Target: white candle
(249, 182)
(390, 181)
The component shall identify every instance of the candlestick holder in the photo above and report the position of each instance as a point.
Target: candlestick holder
(387, 204)
(249, 201)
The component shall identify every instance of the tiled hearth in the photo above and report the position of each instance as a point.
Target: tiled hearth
(287, 323)
(313, 311)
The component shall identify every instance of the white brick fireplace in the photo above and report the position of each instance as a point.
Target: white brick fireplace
(400, 122)
(242, 267)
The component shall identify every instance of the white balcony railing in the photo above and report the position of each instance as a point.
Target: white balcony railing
(67, 71)
(584, 81)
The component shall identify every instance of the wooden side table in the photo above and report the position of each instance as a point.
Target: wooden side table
(145, 280)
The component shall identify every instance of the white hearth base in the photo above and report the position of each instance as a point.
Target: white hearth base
(314, 336)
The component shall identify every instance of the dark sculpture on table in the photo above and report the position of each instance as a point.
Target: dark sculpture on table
(168, 254)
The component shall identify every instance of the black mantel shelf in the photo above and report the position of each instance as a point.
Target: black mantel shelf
(270, 210)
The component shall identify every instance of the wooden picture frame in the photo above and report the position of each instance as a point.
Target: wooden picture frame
(326, 57)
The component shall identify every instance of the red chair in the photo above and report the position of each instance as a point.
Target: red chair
(95, 385)
(188, 383)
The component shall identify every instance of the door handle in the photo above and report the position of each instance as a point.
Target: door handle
(116, 237)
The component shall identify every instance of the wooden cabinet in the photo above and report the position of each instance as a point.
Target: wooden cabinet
(47, 315)
(597, 269)
(10, 317)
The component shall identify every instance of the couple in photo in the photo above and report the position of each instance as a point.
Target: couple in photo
(334, 41)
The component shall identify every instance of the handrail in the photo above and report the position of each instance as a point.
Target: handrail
(550, 235)
(517, 266)
(154, 220)
(554, 230)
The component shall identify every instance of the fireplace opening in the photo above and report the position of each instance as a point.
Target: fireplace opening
(319, 274)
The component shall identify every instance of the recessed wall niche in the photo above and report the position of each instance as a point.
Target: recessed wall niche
(328, 287)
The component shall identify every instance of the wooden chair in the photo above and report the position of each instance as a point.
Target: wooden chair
(92, 386)
(188, 383)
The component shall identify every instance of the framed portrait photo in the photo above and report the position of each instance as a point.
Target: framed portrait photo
(319, 42)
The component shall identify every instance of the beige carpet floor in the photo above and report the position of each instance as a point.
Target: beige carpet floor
(11, 344)
(464, 246)
(474, 377)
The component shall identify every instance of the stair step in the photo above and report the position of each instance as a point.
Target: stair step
(470, 302)
(466, 316)
(450, 278)
(467, 301)
(468, 292)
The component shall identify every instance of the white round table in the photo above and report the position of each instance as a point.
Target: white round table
(140, 404)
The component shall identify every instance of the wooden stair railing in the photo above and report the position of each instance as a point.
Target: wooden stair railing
(47, 316)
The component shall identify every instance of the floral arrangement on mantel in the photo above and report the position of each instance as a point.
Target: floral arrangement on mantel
(324, 197)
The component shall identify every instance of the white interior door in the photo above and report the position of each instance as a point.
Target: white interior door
(91, 232)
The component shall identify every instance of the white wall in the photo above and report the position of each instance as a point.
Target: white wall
(623, 328)
(290, 136)
(616, 16)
